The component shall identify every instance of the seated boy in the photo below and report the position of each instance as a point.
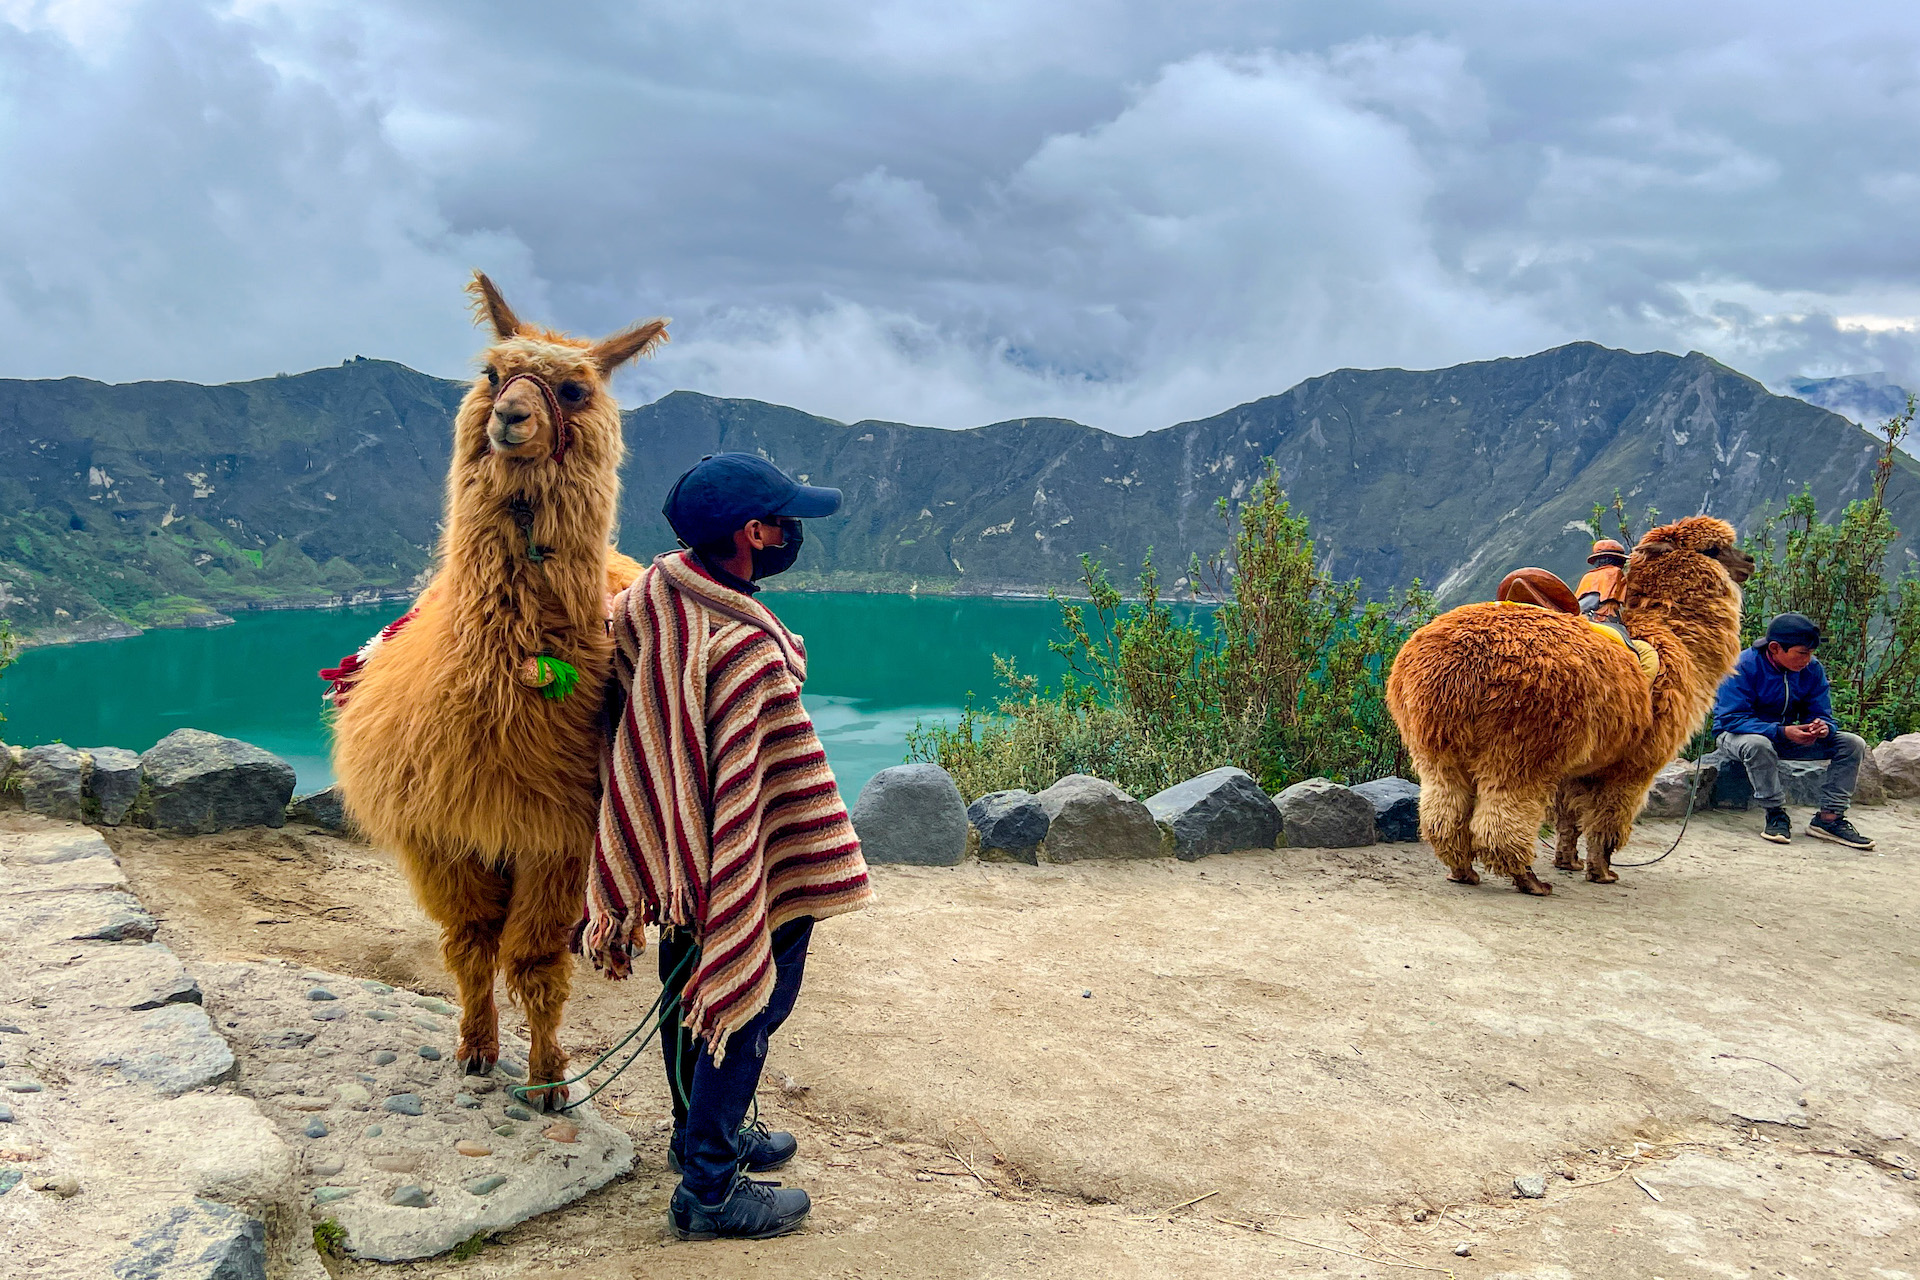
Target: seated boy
(1776, 706)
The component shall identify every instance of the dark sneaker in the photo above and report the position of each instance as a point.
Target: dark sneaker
(1779, 827)
(750, 1211)
(762, 1150)
(1838, 830)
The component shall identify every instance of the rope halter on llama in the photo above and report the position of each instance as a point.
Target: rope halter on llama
(562, 433)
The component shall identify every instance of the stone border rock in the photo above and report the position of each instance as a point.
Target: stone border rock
(141, 1160)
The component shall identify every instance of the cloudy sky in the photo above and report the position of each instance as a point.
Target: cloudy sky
(1126, 213)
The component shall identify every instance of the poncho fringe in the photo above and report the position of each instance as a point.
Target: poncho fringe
(719, 813)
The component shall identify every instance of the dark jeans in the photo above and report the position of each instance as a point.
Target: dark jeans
(709, 1102)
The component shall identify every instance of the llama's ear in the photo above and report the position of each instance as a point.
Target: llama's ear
(488, 305)
(610, 353)
(1653, 550)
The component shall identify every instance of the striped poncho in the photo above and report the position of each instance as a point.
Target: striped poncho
(719, 813)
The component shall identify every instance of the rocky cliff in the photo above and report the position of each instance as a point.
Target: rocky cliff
(154, 503)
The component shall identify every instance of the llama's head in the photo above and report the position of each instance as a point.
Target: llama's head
(1691, 560)
(542, 398)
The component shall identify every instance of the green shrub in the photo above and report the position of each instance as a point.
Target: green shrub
(1286, 678)
(1835, 573)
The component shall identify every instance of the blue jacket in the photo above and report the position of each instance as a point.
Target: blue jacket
(1760, 697)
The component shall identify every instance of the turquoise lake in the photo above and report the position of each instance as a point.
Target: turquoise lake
(878, 664)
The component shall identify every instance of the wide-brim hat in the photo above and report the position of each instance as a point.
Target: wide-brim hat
(1606, 547)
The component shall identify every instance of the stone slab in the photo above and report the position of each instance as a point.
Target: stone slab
(200, 1240)
(56, 844)
(342, 1077)
(172, 1049)
(132, 979)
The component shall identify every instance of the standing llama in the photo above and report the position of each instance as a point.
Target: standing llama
(1507, 707)
(469, 745)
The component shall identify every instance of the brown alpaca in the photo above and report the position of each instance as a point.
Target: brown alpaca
(1506, 708)
(449, 752)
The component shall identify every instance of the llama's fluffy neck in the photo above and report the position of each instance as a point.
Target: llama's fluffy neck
(1708, 630)
(503, 604)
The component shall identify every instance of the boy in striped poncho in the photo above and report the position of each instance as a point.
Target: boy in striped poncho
(721, 823)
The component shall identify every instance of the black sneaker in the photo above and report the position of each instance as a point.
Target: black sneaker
(1838, 830)
(762, 1150)
(749, 1211)
(1779, 827)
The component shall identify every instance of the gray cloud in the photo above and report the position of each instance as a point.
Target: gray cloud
(1125, 213)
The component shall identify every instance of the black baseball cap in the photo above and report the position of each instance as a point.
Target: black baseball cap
(1792, 629)
(723, 491)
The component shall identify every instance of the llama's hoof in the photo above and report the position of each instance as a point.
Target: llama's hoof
(1467, 877)
(1566, 864)
(553, 1099)
(1528, 883)
(1603, 876)
(477, 1064)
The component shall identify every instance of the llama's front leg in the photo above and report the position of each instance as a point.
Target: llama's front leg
(1566, 828)
(539, 967)
(1609, 824)
(469, 901)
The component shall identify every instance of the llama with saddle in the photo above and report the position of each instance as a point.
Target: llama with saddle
(1513, 705)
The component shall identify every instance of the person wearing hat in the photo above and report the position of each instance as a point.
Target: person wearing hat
(1776, 706)
(1604, 590)
(722, 823)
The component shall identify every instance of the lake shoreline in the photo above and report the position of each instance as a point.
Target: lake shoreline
(110, 627)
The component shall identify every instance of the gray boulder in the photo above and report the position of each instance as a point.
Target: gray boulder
(913, 814)
(1088, 818)
(1321, 814)
(1396, 809)
(1010, 826)
(50, 779)
(1667, 798)
(1897, 760)
(1870, 788)
(1217, 812)
(201, 783)
(113, 783)
(321, 809)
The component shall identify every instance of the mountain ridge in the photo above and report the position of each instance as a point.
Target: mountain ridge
(156, 503)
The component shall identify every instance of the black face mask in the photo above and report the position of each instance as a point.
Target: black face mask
(768, 561)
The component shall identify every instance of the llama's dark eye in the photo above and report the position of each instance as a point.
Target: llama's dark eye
(1713, 550)
(574, 392)
(493, 376)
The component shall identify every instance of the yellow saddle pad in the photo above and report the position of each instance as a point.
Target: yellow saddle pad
(1643, 653)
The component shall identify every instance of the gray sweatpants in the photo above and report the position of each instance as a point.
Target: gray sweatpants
(1842, 751)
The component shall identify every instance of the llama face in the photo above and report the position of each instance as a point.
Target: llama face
(1693, 558)
(534, 387)
(543, 394)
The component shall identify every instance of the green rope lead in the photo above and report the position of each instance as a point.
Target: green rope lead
(557, 677)
(656, 1016)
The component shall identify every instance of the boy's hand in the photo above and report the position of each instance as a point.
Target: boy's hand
(1800, 735)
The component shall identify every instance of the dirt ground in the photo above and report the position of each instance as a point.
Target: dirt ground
(1303, 1062)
